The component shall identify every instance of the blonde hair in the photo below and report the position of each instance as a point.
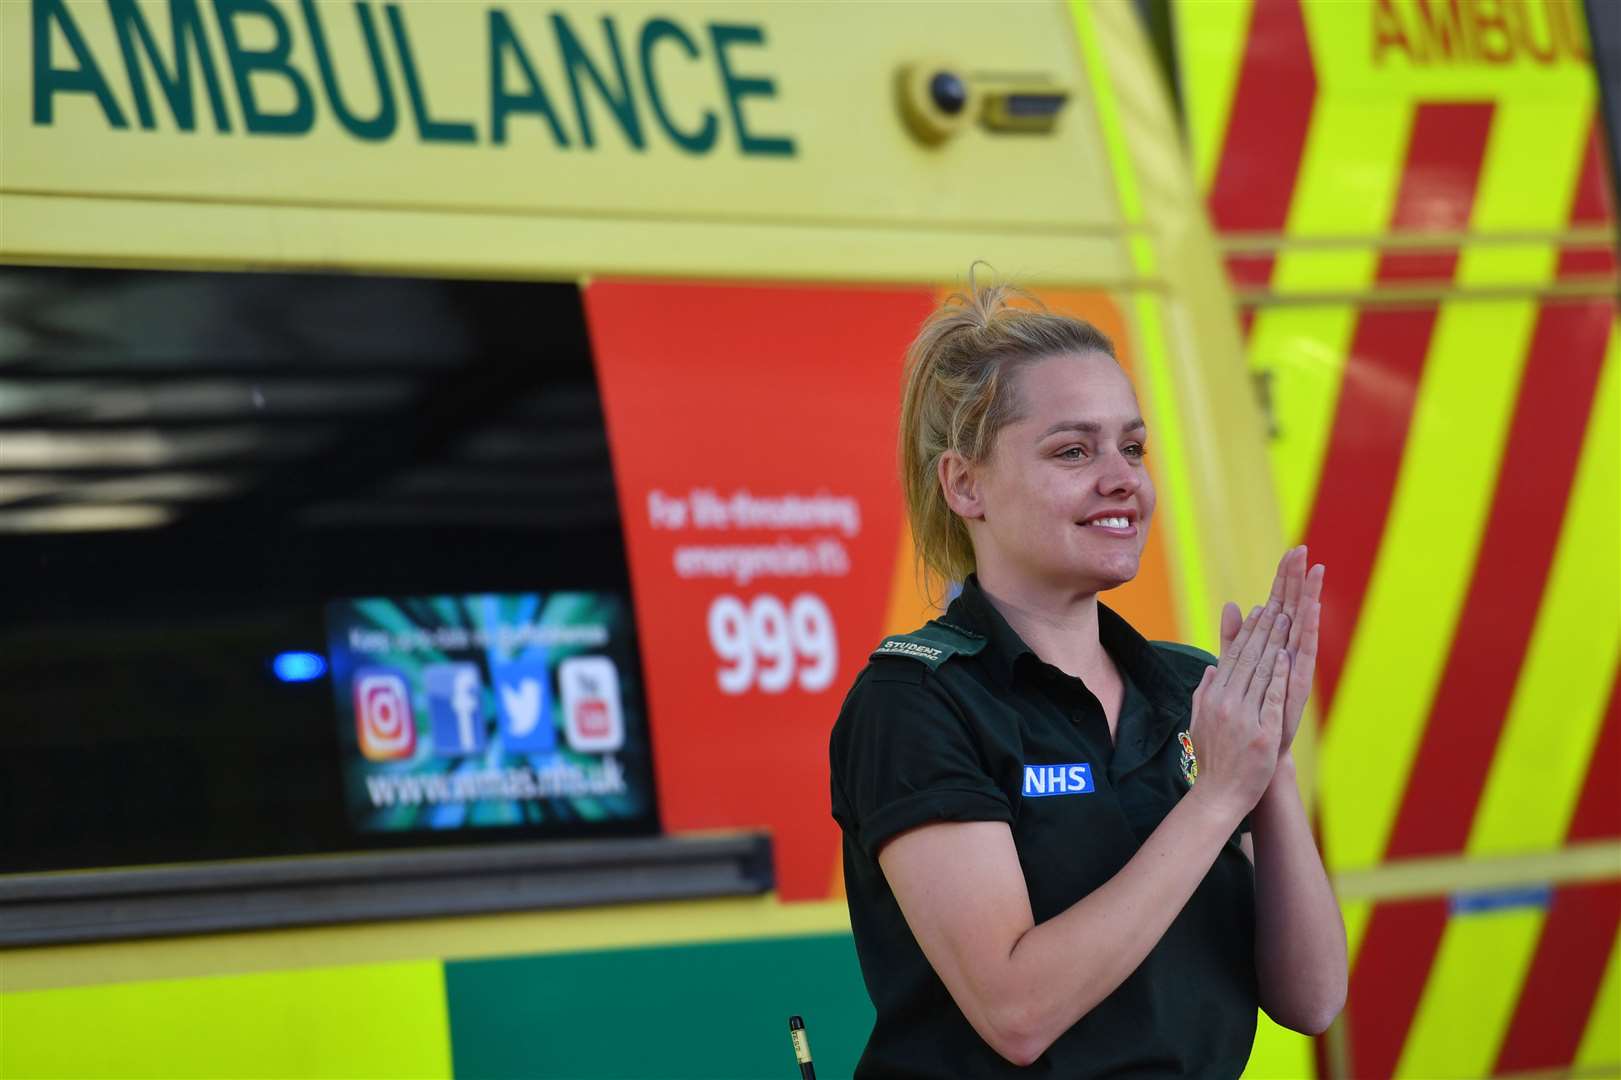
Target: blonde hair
(960, 390)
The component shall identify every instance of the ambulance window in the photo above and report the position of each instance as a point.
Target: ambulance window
(193, 466)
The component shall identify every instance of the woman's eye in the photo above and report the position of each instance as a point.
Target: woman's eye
(1073, 453)
(1135, 450)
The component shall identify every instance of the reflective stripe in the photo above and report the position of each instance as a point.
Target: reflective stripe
(1372, 416)
(1473, 987)
(1600, 1047)
(1531, 792)
(1386, 983)
(1532, 489)
(1441, 499)
(1210, 56)
(1557, 993)
(1302, 353)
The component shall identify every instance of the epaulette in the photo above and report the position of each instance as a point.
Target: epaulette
(933, 644)
(1185, 650)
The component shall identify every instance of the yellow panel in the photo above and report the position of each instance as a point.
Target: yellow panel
(1279, 1054)
(1558, 705)
(1471, 993)
(531, 932)
(202, 235)
(1303, 351)
(381, 1022)
(1210, 42)
(1426, 557)
(1600, 1048)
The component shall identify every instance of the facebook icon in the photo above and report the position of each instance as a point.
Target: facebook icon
(455, 703)
(523, 696)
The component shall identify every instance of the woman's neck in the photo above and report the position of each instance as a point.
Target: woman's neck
(1060, 628)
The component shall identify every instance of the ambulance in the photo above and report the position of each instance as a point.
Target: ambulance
(513, 388)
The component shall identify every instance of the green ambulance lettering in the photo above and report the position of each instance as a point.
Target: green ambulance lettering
(606, 78)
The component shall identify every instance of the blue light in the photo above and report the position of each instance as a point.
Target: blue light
(298, 666)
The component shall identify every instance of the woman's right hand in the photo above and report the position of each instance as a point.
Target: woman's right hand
(1238, 714)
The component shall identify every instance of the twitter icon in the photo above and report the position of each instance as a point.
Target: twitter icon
(523, 697)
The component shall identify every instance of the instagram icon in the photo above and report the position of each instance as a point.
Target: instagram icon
(383, 717)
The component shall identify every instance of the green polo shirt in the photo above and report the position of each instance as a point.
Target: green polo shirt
(960, 721)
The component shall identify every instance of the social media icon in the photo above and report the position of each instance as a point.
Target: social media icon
(522, 696)
(592, 718)
(383, 718)
(455, 702)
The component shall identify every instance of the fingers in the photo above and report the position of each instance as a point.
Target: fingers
(1231, 620)
(1266, 661)
(1275, 694)
(1235, 648)
(1294, 586)
(1249, 658)
(1303, 667)
(1280, 580)
(1312, 587)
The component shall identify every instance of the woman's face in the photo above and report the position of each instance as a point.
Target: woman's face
(1065, 496)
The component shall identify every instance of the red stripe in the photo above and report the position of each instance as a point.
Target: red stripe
(1598, 810)
(1266, 131)
(1591, 207)
(1385, 988)
(1499, 613)
(1557, 998)
(1250, 270)
(1444, 785)
(1388, 348)
(1246, 321)
(1571, 952)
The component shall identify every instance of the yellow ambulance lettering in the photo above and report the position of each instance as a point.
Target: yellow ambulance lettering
(617, 69)
(1432, 32)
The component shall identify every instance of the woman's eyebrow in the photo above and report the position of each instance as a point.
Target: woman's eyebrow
(1091, 427)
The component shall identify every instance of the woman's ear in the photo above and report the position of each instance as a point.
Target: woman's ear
(960, 485)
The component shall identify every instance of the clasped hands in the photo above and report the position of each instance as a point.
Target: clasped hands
(1247, 708)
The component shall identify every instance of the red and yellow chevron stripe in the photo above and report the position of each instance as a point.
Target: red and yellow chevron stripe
(1414, 204)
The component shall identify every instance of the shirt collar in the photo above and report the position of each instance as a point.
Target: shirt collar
(972, 610)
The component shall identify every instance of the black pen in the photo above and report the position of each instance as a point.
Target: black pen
(796, 1032)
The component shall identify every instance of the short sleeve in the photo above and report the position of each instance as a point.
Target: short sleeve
(903, 755)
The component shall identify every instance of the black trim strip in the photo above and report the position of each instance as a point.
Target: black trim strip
(104, 905)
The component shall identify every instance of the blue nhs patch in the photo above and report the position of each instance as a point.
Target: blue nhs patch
(1043, 780)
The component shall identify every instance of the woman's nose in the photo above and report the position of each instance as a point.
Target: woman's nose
(1117, 476)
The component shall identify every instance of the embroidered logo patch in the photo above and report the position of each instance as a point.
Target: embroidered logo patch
(1041, 781)
(1190, 760)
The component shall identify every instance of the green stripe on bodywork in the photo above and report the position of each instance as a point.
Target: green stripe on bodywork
(707, 1012)
(384, 1020)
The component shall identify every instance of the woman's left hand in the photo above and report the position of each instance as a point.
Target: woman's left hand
(1300, 592)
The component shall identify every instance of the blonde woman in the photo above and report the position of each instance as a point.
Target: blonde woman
(1068, 848)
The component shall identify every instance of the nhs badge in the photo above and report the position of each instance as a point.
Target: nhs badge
(1043, 780)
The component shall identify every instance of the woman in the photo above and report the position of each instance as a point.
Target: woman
(1066, 847)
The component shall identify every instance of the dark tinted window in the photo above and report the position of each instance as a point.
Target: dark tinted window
(192, 465)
